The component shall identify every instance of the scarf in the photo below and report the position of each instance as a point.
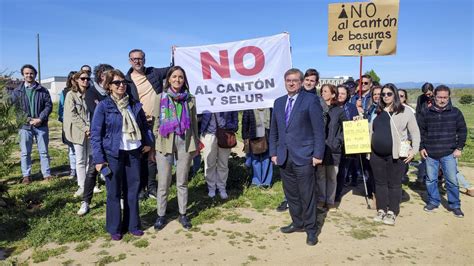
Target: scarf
(129, 126)
(99, 89)
(170, 104)
(266, 117)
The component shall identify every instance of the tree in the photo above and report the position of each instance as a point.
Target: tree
(374, 75)
(10, 122)
(466, 99)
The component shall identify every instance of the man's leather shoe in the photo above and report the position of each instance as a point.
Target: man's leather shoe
(282, 207)
(290, 229)
(311, 239)
(160, 223)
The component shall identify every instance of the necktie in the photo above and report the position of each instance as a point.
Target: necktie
(289, 107)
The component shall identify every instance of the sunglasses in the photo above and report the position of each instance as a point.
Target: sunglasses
(84, 78)
(118, 82)
(365, 83)
(136, 59)
(401, 96)
(388, 94)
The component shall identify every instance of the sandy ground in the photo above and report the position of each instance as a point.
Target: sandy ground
(348, 236)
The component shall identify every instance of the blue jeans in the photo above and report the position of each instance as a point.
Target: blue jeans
(262, 169)
(26, 145)
(449, 168)
(462, 181)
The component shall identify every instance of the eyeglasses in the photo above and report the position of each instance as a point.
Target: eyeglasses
(387, 94)
(292, 80)
(84, 78)
(118, 82)
(136, 59)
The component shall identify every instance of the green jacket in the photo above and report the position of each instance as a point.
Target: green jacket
(165, 144)
(76, 117)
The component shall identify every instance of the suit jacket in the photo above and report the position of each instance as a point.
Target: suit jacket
(304, 137)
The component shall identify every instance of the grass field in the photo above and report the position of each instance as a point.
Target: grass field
(42, 212)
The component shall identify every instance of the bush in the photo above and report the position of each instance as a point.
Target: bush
(466, 99)
(9, 124)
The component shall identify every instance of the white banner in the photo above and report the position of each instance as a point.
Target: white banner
(237, 75)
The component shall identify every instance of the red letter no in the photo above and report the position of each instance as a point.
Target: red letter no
(222, 69)
(239, 60)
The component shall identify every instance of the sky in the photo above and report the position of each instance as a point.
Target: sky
(435, 37)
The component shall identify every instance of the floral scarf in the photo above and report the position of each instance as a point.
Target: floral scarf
(169, 120)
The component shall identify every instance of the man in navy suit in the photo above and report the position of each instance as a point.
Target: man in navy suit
(297, 146)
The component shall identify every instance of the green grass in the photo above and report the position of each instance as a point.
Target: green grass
(43, 213)
(141, 243)
(41, 255)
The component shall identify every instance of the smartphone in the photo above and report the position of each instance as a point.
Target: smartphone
(105, 170)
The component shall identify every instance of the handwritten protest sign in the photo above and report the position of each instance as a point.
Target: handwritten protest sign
(363, 28)
(238, 75)
(356, 136)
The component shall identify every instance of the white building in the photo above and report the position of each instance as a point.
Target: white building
(55, 86)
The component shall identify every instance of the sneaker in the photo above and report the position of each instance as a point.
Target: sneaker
(212, 193)
(184, 221)
(78, 193)
(458, 213)
(160, 223)
(430, 208)
(152, 194)
(116, 237)
(223, 194)
(97, 189)
(84, 208)
(26, 180)
(389, 218)
(380, 216)
(137, 232)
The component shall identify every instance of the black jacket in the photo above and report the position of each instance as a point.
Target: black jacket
(334, 136)
(93, 97)
(43, 104)
(155, 76)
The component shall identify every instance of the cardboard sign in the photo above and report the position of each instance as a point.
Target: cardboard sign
(238, 75)
(363, 28)
(356, 136)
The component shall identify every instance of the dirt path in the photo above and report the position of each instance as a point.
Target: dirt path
(348, 236)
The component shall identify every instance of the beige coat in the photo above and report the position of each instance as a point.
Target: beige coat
(164, 145)
(406, 126)
(76, 117)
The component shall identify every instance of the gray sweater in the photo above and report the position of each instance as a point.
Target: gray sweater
(406, 128)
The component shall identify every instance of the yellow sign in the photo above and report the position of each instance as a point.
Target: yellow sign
(356, 136)
(363, 28)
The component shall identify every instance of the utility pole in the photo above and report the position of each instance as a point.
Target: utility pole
(38, 52)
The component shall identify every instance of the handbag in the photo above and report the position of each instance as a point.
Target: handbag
(259, 145)
(405, 145)
(226, 138)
